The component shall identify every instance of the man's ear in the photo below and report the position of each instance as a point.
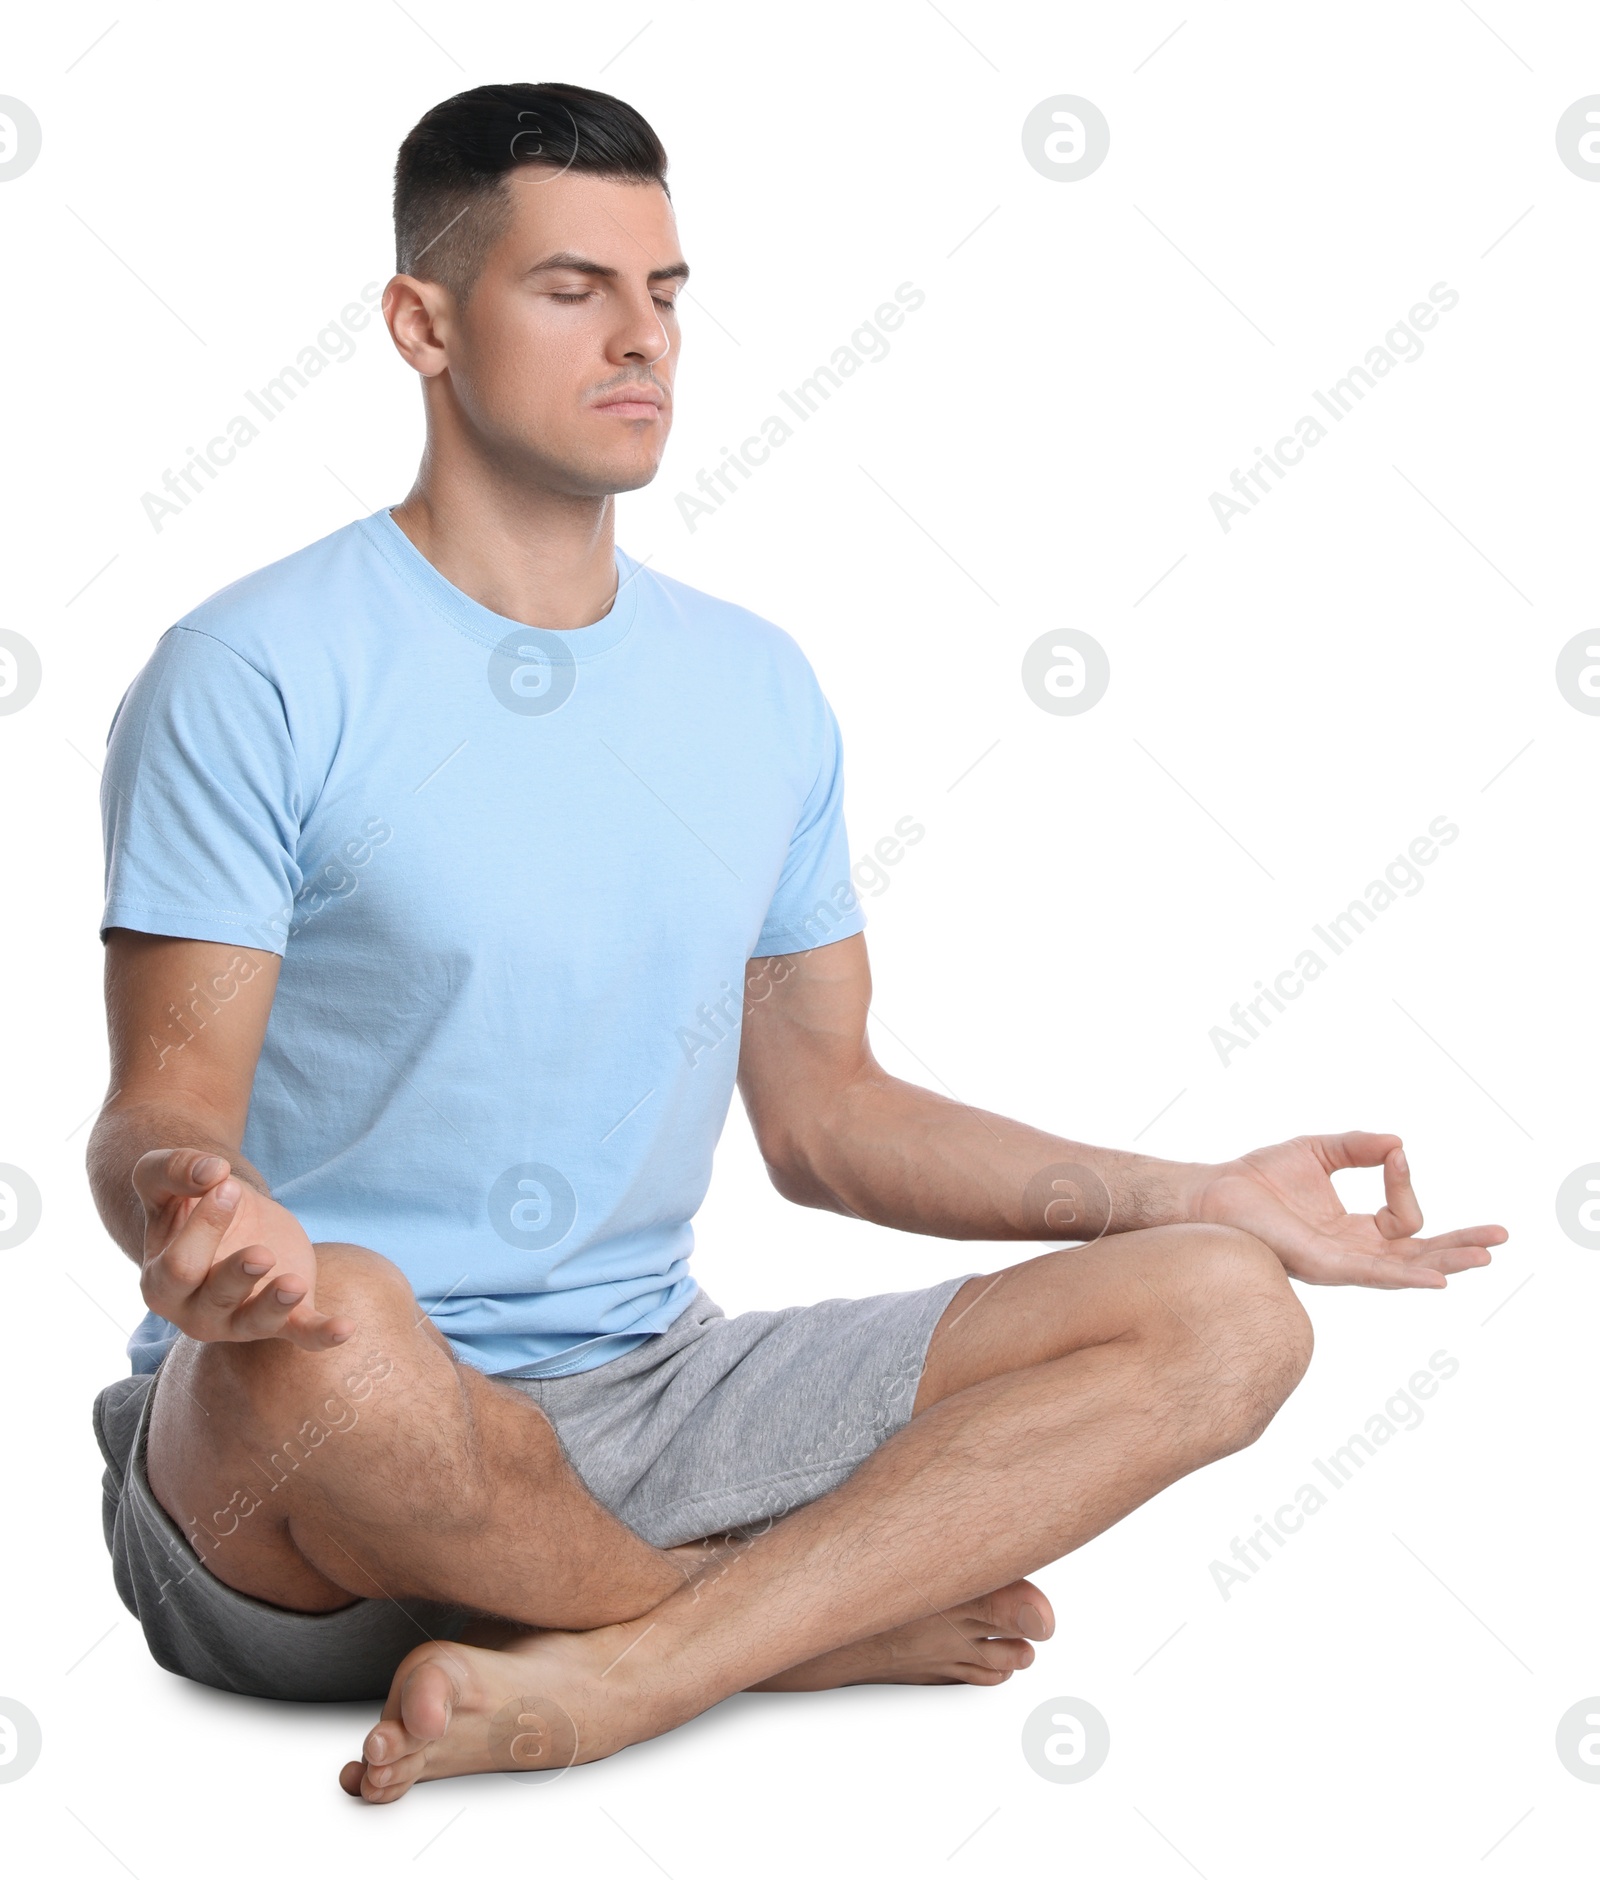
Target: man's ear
(420, 315)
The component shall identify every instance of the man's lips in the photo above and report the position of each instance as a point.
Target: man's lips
(635, 401)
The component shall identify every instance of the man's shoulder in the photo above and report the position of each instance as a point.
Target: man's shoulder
(274, 610)
(738, 629)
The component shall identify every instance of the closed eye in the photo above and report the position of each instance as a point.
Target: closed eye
(667, 302)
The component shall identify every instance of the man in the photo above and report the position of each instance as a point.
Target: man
(454, 863)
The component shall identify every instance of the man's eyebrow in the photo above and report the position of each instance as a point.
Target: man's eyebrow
(567, 263)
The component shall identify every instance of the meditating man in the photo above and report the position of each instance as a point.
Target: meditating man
(455, 864)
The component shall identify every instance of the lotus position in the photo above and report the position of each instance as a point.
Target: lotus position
(457, 867)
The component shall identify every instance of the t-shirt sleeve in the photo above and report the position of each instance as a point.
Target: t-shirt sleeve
(201, 800)
(815, 901)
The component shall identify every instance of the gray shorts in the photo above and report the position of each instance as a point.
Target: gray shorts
(716, 1424)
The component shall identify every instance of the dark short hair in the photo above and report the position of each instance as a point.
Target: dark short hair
(450, 200)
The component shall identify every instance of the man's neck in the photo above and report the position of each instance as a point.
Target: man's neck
(543, 559)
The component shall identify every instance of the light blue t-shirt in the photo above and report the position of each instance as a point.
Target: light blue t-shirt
(515, 876)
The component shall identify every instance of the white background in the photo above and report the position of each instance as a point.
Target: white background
(1297, 699)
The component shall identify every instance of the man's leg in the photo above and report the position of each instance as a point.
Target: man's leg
(385, 1468)
(1057, 1397)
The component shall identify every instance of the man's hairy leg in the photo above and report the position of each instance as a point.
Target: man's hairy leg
(1058, 1396)
(383, 1468)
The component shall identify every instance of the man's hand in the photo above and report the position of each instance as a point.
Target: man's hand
(1285, 1196)
(224, 1262)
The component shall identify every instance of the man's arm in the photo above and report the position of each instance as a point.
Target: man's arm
(186, 1019)
(838, 1132)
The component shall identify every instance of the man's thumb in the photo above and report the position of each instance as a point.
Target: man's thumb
(158, 1175)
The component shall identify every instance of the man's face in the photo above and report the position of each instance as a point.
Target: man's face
(562, 359)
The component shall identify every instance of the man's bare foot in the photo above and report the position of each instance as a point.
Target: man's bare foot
(981, 1642)
(546, 1700)
(541, 1703)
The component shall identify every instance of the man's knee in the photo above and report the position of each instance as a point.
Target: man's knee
(287, 1407)
(269, 1376)
(1243, 1330)
(363, 1285)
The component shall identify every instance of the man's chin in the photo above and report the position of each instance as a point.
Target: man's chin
(610, 478)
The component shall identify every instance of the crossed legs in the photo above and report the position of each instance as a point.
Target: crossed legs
(418, 1477)
(1057, 1397)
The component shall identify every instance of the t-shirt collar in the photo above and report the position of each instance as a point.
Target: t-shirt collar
(481, 623)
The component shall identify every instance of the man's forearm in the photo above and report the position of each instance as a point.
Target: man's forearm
(905, 1157)
(123, 1133)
